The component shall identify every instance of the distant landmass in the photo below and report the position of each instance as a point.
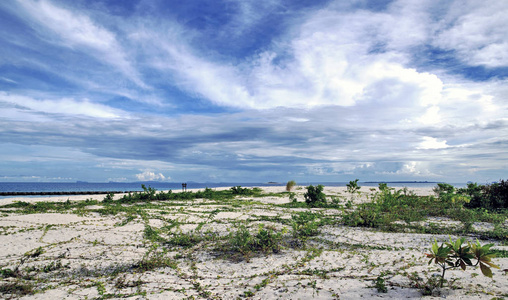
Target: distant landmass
(401, 181)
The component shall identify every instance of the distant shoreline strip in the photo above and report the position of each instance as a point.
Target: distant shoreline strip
(62, 193)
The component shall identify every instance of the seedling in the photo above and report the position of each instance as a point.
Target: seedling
(454, 255)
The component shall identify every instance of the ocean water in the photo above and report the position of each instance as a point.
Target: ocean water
(163, 186)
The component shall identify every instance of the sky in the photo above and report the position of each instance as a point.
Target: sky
(253, 91)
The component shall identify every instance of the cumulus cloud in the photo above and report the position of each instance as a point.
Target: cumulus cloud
(151, 176)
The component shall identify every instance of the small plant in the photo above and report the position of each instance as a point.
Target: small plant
(266, 240)
(315, 196)
(353, 187)
(108, 198)
(454, 255)
(305, 224)
(426, 286)
(292, 198)
(383, 187)
(290, 185)
(380, 285)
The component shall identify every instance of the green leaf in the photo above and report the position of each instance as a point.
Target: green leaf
(486, 270)
(462, 265)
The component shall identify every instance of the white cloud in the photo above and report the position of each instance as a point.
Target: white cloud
(77, 30)
(432, 143)
(66, 106)
(151, 176)
(477, 31)
(416, 168)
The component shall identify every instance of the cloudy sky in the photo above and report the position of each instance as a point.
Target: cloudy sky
(253, 91)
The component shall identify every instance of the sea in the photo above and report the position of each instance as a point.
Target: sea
(81, 186)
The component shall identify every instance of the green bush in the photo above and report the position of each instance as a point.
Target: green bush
(353, 187)
(366, 215)
(290, 185)
(383, 187)
(315, 196)
(443, 188)
(491, 197)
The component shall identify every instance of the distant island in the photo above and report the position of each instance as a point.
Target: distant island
(401, 182)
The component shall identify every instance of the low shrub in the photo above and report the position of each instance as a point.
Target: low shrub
(266, 240)
(491, 197)
(304, 225)
(353, 187)
(290, 185)
(315, 196)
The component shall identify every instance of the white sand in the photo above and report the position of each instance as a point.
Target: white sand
(93, 246)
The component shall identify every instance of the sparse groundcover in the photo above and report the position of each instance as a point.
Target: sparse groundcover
(240, 242)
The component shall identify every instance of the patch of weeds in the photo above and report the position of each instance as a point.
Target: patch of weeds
(315, 272)
(266, 240)
(17, 288)
(6, 273)
(127, 220)
(366, 215)
(155, 259)
(428, 286)
(263, 283)
(152, 234)
(185, 240)
(34, 253)
(122, 283)
(304, 225)
(380, 285)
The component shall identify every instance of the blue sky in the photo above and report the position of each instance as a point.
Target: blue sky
(253, 91)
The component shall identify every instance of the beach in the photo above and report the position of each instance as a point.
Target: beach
(178, 249)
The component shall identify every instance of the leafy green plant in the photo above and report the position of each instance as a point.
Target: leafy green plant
(455, 254)
(108, 198)
(266, 240)
(366, 215)
(304, 225)
(292, 198)
(443, 188)
(380, 285)
(353, 187)
(290, 185)
(383, 187)
(315, 196)
(426, 286)
(241, 241)
(491, 197)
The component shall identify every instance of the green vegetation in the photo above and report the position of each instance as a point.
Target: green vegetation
(290, 185)
(176, 232)
(353, 187)
(314, 196)
(455, 254)
(266, 240)
(388, 206)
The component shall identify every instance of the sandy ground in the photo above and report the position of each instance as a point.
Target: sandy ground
(89, 255)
